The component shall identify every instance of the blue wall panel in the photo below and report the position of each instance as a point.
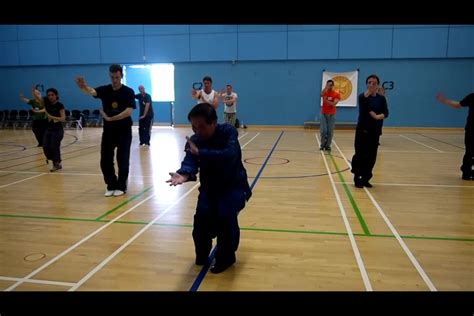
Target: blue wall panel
(268, 45)
(167, 48)
(217, 47)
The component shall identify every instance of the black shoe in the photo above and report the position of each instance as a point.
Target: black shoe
(367, 184)
(466, 177)
(218, 267)
(358, 185)
(328, 148)
(39, 145)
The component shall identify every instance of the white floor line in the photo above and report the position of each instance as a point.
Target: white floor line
(68, 284)
(395, 232)
(129, 241)
(6, 185)
(408, 151)
(420, 185)
(355, 249)
(77, 244)
(420, 143)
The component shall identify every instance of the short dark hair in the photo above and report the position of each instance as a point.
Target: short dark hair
(204, 110)
(229, 85)
(372, 76)
(53, 91)
(330, 81)
(207, 78)
(115, 67)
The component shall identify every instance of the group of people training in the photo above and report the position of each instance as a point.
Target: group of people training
(214, 150)
(373, 110)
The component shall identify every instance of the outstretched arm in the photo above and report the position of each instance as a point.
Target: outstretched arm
(81, 83)
(451, 103)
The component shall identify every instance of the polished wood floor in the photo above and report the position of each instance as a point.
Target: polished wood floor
(306, 228)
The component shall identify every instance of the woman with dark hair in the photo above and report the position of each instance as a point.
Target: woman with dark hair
(54, 131)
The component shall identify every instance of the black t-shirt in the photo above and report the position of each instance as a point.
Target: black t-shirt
(469, 102)
(54, 110)
(115, 102)
(142, 100)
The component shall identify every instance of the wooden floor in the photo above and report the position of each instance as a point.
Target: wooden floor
(306, 228)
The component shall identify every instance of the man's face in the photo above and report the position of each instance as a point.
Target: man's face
(201, 128)
(372, 84)
(207, 85)
(141, 89)
(229, 89)
(329, 85)
(115, 78)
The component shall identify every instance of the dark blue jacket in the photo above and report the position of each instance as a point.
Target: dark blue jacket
(219, 162)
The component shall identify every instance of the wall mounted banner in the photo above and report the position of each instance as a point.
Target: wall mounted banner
(346, 84)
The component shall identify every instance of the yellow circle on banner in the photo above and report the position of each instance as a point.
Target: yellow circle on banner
(114, 105)
(343, 86)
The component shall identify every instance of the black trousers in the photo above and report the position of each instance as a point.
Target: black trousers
(467, 161)
(144, 130)
(216, 216)
(39, 128)
(363, 161)
(120, 138)
(52, 143)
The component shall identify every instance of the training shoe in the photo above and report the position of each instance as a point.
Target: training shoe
(56, 166)
(118, 192)
(109, 193)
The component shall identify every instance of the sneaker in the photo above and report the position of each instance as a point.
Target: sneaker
(118, 192)
(56, 166)
(108, 193)
(328, 148)
(466, 177)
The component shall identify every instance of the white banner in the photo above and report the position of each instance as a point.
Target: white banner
(346, 84)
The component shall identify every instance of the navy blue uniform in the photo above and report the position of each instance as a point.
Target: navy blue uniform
(222, 194)
(367, 136)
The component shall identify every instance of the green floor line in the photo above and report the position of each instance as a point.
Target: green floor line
(351, 198)
(122, 204)
(242, 228)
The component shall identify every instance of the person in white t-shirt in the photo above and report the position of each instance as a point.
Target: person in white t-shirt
(206, 95)
(229, 98)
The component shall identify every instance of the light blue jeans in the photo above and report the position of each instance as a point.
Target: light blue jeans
(326, 127)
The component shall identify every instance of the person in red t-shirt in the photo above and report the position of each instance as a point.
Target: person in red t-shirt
(328, 114)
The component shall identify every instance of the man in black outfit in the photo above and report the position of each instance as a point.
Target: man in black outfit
(118, 102)
(372, 112)
(467, 162)
(214, 151)
(145, 121)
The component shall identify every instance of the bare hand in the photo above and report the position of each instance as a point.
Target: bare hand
(176, 179)
(81, 83)
(381, 91)
(440, 97)
(193, 149)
